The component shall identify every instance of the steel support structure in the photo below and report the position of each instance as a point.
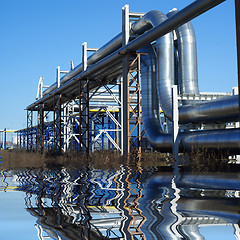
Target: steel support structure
(131, 110)
(124, 87)
(57, 123)
(67, 125)
(134, 108)
(175, 121)
(40, 130)
(84, 116)
(29, 129)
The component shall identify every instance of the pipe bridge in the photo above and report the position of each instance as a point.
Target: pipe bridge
(121, 97)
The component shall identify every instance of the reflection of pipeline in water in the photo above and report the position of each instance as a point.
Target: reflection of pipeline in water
(204, 200)
(132, 216)
(57, 220)
(68, 197)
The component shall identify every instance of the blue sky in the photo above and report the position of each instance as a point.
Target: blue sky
(37, 36)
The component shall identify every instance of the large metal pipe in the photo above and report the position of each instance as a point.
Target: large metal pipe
(225, 139)
(193, 10)
(105, 50)
(164, 67)
(187, 58)
(162, 26)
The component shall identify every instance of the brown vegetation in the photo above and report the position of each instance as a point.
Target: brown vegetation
(201, 161)
(205, 161)
(18, 159)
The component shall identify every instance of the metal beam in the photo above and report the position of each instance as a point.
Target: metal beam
(134, 108)
(175, 121)
(29, 130)
(40, 131)
(84, 116)
(188, 13)
(125, 65)
(57, 123)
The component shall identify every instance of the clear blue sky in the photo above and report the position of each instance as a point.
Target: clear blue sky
(37, 36)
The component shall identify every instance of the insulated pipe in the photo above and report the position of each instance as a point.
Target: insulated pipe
(165, 58)
(226, 139)
(191, 11)
(224, 109)
(105, 50)
(187, 58)
(188, 13)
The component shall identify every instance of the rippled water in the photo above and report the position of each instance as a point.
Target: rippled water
(118, 204)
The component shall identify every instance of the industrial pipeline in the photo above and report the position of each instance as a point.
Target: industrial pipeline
(158, 74)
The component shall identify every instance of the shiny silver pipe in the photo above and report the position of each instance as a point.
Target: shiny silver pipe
(188, 13)
(165, 58)
(191, 11)
(187, 58)
(223, 109)
(227, 139)
(105, 50)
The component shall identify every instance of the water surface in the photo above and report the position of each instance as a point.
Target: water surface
(126, 203)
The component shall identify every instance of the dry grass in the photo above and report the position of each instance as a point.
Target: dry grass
(21, 159)
(201, 161)
(205, 161)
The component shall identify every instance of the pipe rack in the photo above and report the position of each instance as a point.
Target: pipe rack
(162, 66)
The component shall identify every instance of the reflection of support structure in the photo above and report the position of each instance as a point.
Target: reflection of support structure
(84, 116)
(29, 129)
(133, 111)
(40, 131)
(57, 123)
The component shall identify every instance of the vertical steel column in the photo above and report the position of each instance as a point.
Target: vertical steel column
(40, 132)
(84, 106)
(124, 100)
(65, 127)
(29, 129)
(58, 77)
(175, 121)
(20, 140)
(237, 16)
(116, 130)
(134, 107)
(57, 123)
(120, 97)
(84, 116)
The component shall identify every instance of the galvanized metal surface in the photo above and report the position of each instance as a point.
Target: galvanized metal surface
(108, 57)
(105, 65)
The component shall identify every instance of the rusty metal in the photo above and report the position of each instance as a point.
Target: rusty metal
(84, 116)
(57, 123)
(29, 129)
(40, 132)
(134, 108)
(237, 17)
